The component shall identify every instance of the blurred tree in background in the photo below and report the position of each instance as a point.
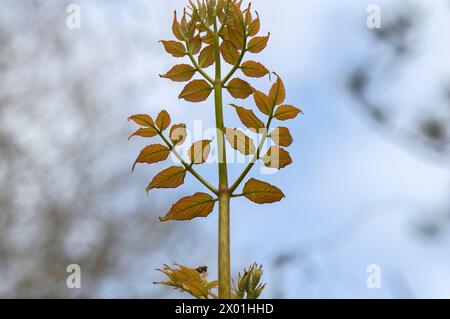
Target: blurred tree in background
(416, 120)
(61, 202)
(420, 123)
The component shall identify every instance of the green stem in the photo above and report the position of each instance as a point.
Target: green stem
(224, 195)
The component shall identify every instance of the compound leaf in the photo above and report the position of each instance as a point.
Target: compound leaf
(263, 102)
(188, 208)
(199, 151)
(142, 120)
(178, 134)
(286, 112)
(277, 158)
(207, 56)
(196, 91)
(208, 39)
(254, 26)
(174, 48)
(249, 119)
(262, 193)
(145, 132)
(176, 28)
(281, 136)
(257, 44)
(152, 154)
(197, 289)
(254, 69)
(195, 44)
(236, 37)
(168, 178)
(189, 280)
(277, 92)
(239, 89)
(229, 52)
(180, 73)
(163, 120)
(240, 142)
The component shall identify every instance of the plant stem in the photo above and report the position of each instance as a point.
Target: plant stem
(238, 63)
(224, 247)
(224, 196)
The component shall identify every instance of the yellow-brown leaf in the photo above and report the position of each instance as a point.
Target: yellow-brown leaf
(277, 92)
(254, 69)
(178, 277)
(163, 120)
(207, 56)
(190, 30)
(196, 91)
(178, 134)
(208, 39)
(201, 28)
(262, 193)
(254, 26)
(287, 112)
(195, 44)
(277, 158)
(183, 22)
(229, 52)
(142, 120)
(257, 44)
(168, 178)
(240, 142)
(220, 7)
(249, 119)
(199, 151)
(180, 73)
(281, 136)
(237, 20)
(197, 289)
(198, 205)
(236, 37)
(174, 48)
(190, 280)
(263, 102)
(145, 132)
(152, 154)
(239, 89)
(176, 28)
(248, 15)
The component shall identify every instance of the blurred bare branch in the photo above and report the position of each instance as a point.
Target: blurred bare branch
(425, 134)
